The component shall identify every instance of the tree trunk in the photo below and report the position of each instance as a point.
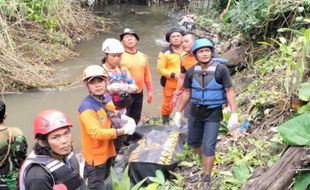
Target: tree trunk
(281, 173)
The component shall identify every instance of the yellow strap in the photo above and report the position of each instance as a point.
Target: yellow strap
(9, 147)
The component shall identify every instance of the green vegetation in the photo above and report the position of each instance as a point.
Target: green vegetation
(236, 164)
(265, 17)
(158, 182)
(37, 32)
(124, 184)
(246, 14)
(277, 37)
(299, 135)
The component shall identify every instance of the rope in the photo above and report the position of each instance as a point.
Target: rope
(9, 147)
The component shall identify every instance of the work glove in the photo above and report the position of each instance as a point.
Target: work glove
(177, 119)
(130, 126)
(122, 112)
(128, 119)
(233, 121)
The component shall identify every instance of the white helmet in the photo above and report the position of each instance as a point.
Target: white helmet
(112, 45)
(94, 71)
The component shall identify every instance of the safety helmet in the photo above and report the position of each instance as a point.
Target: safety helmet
(121, 100)
(200, 43)
(112, 45)
(128, 31)
(48, 121)
(173, 30)
(94, 71)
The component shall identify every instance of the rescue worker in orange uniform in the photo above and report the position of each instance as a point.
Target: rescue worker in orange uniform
(119, 76)
(97, 130)
(187, 61)
(168, 66)
(138, 65)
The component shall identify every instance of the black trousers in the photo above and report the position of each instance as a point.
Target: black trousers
(96, 175)
(135, 108)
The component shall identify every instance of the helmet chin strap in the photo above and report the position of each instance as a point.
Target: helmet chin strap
(100, 98)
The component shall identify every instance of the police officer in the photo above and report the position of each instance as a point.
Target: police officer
(13, 150)
(208, 86)
(52, 164)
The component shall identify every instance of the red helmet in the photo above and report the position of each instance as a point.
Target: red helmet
(50, 120)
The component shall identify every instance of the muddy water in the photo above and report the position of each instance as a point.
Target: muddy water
(150, 23)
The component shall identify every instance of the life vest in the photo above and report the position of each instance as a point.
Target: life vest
(66, 173)
(205, 90)
(118, 74)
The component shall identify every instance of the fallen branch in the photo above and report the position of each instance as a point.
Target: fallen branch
(280, 175)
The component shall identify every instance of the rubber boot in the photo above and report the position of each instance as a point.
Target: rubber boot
(166, 119)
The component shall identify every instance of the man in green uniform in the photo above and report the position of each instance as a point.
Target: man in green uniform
(13, 150)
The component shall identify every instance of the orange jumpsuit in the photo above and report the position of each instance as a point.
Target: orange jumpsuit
(168, 64)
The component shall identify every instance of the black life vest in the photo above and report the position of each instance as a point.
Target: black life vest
(66, 172)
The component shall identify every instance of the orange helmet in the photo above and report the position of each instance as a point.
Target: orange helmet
(48, 121)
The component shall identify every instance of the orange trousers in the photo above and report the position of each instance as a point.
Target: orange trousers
(167, 97)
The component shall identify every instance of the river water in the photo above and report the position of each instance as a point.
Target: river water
(150, 23)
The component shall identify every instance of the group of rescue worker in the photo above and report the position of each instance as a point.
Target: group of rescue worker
(192, 78)
(193, 73)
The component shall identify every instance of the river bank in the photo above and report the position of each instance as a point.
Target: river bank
(35, 35)
(24, 105)
(263, 89)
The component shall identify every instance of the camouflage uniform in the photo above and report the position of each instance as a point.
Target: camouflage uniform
(9, 169)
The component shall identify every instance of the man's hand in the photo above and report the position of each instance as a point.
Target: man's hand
(176, 95)
(174, 101)
(149, 97)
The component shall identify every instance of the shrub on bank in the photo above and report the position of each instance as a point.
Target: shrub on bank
(37, 32)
